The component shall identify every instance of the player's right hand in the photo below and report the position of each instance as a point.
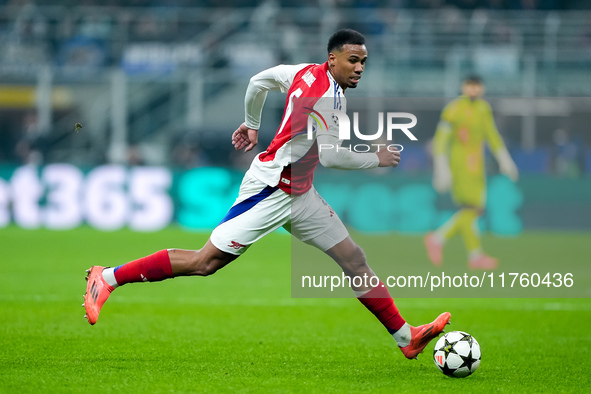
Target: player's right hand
(387, 157)
(507, 165)
(442, 177)
(245, 138)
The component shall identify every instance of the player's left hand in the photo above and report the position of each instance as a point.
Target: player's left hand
(388, 158)
(245, 138)
(507, 165)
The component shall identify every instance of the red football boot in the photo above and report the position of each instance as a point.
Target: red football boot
(422, 335)
(97, 292)
(483, 262)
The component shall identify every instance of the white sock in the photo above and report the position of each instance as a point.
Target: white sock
(473, 254)
(403, 336)
(109, 277)
(439, 237)
(359, 293)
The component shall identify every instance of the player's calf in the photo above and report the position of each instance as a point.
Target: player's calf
(350, 257)
(203, 262)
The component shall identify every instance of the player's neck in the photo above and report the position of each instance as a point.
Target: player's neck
(334, 79)
(472, 98)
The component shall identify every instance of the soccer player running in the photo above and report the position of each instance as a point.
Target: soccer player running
(458, 161)
(272, 196)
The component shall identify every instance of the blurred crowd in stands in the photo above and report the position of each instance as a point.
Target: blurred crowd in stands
(94, 40)
(100, 37)
(408, 4)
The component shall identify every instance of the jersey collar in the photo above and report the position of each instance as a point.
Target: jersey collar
(332, 80)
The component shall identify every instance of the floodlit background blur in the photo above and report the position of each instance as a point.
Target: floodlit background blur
(158, 87)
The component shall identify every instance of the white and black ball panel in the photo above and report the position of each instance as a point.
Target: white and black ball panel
(457, 354)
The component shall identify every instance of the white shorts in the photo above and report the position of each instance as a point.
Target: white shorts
(261, 209)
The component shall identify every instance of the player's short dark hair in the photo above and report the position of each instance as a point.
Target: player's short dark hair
(343, 37)
(473, 79)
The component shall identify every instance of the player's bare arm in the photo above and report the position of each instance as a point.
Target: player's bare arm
(245, 138)
(344, 159)
(388, 158)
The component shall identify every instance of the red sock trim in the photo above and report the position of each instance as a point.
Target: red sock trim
(380, 303)
(153, 268)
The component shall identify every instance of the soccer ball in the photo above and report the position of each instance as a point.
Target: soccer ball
(457, 354)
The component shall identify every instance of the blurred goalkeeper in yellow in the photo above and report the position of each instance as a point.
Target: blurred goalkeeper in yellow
(458, 159)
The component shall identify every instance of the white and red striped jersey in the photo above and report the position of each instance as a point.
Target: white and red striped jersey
(291, 158)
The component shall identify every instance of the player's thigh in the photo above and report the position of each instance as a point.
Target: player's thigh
(469, 190)
(314, 222)
(258, 211)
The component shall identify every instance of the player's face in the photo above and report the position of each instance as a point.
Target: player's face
(473, 90)
(347, 64)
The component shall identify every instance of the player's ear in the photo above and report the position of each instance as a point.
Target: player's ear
(331, 59)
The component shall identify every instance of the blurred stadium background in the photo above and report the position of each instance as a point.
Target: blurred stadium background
(158, 87)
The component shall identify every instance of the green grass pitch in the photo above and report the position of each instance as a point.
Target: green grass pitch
(239, 330)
